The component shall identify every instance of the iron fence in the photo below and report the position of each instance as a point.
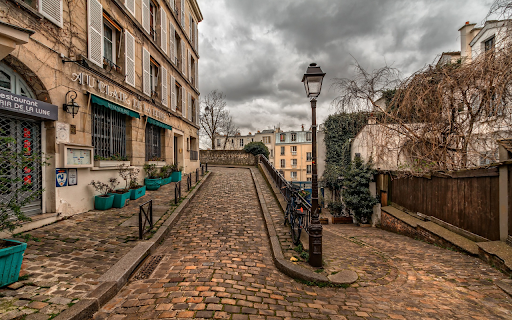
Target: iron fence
(177, 192)
(286, 190)
(145, 217)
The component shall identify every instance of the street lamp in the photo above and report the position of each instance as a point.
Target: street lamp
(313, 84)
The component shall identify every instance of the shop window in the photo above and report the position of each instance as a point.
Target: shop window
(108, 132)
(153, 143)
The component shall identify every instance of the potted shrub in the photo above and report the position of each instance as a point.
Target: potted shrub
(176, 173)
(121, 196)
(103, 201)
(136, 190)
(339, 212)
(153, 181)
(166, 172)
(19, 194)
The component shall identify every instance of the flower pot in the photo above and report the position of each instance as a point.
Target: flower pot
(157, 163)
(166, 180)
(110, 163)
(176, 176)
(11, 257)
(103, 202)
(120, 199)
(137, 193)
(342, 220)
(152, 184)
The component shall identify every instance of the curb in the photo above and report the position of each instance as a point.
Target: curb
(285, 266)
(116, 277)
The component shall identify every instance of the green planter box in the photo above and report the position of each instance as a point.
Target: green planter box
(152, 184)
(176, 176)
(103, 203)
(166, 180)
(10, 261)
(137, 193)
(120, 199)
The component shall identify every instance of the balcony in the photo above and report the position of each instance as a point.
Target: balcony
(294, 166)
(294, 153)
(109, 65)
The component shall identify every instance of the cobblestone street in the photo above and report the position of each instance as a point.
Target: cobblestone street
(217, 263)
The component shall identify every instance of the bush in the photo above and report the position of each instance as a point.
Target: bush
(257, 148)
(356, 192)
(337, 208)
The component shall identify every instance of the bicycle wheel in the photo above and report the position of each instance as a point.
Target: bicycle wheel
(296, 229)
(286, 214)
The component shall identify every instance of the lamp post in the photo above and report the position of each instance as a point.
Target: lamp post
(313, 84)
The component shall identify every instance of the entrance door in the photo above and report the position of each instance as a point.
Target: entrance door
(176, 151)
(28, 139)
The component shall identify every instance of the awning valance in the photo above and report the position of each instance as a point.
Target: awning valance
(113, 106)
(159, 124)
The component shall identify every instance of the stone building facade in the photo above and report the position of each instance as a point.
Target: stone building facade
(293, 155)
(131, 67)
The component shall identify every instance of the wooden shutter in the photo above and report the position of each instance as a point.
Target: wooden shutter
(52, 10)
(190, 27)
(163, 29)
(129, 57)
(182, 102)
(95, 21)
(172, 40)
(130, 5)
(183, 58)
(146, 81)
(197, 39)
(189, 69)
(197, 74)
(197, 110)
(173, 93)
(165, 95)
(146, 16)
(183, 13)
(189, 101)
(171, 3)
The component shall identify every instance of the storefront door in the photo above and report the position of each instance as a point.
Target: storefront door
(27, 134)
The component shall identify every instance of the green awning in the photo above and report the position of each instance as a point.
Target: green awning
(159, 124)
(113, 106)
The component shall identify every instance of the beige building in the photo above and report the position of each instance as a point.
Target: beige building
(293, 155)
(130, 67)
(238, 141)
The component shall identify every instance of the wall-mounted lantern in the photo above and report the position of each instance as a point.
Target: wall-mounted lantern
(71, 106)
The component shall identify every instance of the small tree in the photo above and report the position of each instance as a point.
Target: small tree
(356, 192)
(257, 148)
(134, 175)
(124, 173)
(16, 192)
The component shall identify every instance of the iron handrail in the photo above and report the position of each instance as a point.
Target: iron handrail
(148, 217)
(285, 188)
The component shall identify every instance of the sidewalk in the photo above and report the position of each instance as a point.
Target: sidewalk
(64, 260)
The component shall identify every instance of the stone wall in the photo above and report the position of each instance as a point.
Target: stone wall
(228, 157)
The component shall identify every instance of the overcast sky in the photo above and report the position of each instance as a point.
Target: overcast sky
(257, 51)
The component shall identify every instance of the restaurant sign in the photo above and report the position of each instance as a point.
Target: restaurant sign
(31, 108)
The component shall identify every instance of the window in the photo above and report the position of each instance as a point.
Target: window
(177, 90)
(308, 168)
(294, 163)
(309, 136)
(282, 151)
(31, 3)
(293, 150)
(153, 143)
(282, 137)
(283, 163)
(178, 51)
(152, 19)
(489, 44)
(308, 179)
(252, 139)
(11, 81)
(193, 102)
(111, 41)
(266, 139)
(294, 137)
(192, 71)
(108, 132)
(309, 156)
(153, 71)
(293, 174)
(241, 142)
(271, 153)
(218, 142)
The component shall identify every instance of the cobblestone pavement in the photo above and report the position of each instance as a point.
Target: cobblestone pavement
(64, 260)
(216, 263)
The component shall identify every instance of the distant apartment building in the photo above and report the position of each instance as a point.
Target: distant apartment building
(293, 155)
(238, 142)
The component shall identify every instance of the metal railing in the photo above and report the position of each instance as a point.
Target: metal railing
(148, 218)
(286, 190)
(177, 192)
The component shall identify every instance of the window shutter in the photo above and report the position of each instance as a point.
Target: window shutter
(52, 10)
(197, 110)
(190, 27)
(95, 19)
(173, 93)
(183, 13)
(189, 65)
(182, 101)
(130, 5)
(172, 52)
(165, 95)
(145, 16)
(197, 75)
(197, 38)
(146, 75)
(171, 3)
(183, 59)
(129, 56)
(163, 28)
(189, 101)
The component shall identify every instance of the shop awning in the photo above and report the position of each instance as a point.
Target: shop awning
(113, 106)
(159, 124)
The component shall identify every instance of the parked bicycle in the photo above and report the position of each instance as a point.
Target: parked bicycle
(294, 214)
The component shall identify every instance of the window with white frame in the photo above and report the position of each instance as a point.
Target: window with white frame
(282, 151)
(282, 137)
(111, 41)
(308, 179)
(283, 163)
(309, 136)
(152, 19)
(271, 153)
(154, 68)
(241, 142)
(308, 168)
(294, 163)
(218, 142)
(266, 139)
(294, 137)
(293, 174)
(293, 149)
(309, 156)
(489, 44)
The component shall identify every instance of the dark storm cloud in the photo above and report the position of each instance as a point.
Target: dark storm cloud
(256, 51)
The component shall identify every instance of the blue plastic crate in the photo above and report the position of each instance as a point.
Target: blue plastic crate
(10, 262)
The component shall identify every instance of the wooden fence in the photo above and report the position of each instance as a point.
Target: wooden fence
(468, 200)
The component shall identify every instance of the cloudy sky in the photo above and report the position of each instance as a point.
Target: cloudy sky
(257, 51)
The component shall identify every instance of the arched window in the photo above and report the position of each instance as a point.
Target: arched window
(12, 82)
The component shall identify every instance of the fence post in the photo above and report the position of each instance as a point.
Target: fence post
(503, 195)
